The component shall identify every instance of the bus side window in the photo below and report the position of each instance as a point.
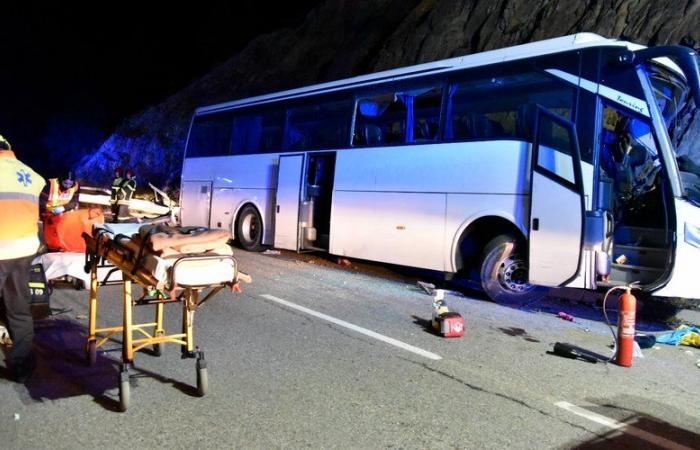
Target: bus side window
(404, 116)
(628, 152)
(316, 126)
(210, 136)
(247, 131)
(426, 115)
(257, 132)
(380, 120)
(501, 107)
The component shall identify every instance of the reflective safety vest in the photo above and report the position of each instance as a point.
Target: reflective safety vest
(128, 187)
(116, 189)
(20, 188)
(57, 197)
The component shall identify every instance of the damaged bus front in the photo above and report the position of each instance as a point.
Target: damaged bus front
(648, 189)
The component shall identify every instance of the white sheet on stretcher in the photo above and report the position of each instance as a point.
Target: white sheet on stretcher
(59, 264)
(189, 273)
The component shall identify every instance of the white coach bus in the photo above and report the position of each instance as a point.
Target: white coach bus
(564, 162)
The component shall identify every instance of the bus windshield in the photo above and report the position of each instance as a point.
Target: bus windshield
(682, 121)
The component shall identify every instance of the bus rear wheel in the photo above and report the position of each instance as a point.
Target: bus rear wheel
(249, 229)
(503, 273)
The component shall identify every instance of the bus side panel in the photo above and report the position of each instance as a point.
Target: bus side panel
(683, 282)
(196, 201)
(435, 188)
(244, 171)
(238, 180)
(464, 209)
(494, 167)
(397, 228)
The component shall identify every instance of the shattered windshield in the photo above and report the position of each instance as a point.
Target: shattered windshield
(683, 124)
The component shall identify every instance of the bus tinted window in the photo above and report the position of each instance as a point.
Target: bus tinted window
(426, 115)
(503, 107)
(210, 136)
(380, 120)
(399, 117)
(257, 132)
(318, 126)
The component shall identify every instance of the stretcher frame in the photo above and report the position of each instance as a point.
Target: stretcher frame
(151, 333)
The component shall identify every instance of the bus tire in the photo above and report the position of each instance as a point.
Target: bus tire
(249, 229)
(503, 273)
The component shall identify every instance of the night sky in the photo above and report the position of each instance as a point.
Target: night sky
(70, 74)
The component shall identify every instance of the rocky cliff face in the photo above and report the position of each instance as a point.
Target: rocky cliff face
(343, 38)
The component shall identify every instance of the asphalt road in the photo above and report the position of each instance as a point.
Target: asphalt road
(301, 359)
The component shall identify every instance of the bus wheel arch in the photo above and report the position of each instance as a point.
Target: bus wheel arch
(476, 234)
(491, 249)
(249, 227)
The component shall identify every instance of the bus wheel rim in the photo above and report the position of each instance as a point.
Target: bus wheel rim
(513, 275)
(250, 228)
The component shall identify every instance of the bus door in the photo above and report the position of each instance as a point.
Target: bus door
(289, 177)
(196, 203)
(315, 218)
(556, 202)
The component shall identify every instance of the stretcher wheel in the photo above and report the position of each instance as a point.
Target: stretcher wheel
(124, 395)
(124, 388)
(92, 353)
(202, 381)
(78, 284)
(156, 350)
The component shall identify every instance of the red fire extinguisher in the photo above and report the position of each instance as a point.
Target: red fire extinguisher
(625, 328)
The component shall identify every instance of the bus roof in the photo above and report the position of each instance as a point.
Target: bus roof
(548, 46)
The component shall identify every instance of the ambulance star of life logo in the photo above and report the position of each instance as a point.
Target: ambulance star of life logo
(24, 177)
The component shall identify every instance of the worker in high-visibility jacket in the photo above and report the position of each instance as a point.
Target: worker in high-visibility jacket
(114, 195)
(124, 196)
(20, 188)
(60, 196)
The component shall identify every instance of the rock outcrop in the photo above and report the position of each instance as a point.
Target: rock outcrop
(343, 38)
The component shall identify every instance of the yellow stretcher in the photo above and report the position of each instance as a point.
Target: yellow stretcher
(103, 247)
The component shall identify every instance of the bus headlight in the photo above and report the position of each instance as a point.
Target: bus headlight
(692, 235)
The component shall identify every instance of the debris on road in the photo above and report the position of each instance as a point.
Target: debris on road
(636, 350)
(575, 352)
(272, 252)
(429, 288)
(343, 262)
(564, 316)
(446, 323)
(683, 335)
(81, 316)
(645, 340)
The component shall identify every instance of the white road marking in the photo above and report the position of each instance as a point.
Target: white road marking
(350, 326)
(623, 427)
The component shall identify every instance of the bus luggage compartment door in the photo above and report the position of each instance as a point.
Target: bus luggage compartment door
(556, 202)
(196, 203)
(289, 177)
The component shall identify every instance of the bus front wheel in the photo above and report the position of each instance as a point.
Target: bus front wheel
(249, 229)
(504, 273)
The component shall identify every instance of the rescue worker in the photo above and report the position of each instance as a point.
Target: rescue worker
(20, 188)
(60, 196)
(116, 189)
(126, 192)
